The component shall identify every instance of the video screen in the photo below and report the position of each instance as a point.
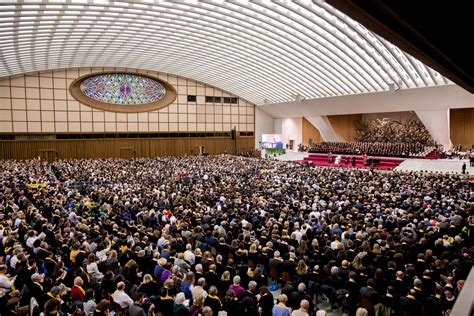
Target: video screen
(272, 141)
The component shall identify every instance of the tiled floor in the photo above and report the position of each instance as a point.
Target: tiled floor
(439, 165)
(292, 155)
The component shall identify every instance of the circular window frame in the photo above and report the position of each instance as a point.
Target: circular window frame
(169, 97)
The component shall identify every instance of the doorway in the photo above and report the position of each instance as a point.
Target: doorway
(291, 144)
(48, 154)
(127, 153)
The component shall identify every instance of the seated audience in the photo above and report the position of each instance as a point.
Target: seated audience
(373, 149)
(199, 235)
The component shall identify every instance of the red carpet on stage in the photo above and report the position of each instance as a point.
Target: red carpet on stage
(432, 155)
(323, 160)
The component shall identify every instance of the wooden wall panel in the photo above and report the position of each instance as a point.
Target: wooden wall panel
(462, 127)
(345, 125)
(310, 133)
(120, 148)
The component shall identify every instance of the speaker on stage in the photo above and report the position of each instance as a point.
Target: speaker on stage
(233, 134)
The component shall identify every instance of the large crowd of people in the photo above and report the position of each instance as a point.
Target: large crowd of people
(374, 149)
(217, 235)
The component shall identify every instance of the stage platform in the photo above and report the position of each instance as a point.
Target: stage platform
(346, 161)
(409, 164)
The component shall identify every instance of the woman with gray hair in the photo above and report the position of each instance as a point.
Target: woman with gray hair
(280, 309)
(207, 311)
(179, 307)
(362, 312)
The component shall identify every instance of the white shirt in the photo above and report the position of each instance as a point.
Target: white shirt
(334, 245)
(189, 256)
(17, 222)
(30, 241)
(93, 270)
(13, 261)
(122, 298)
(5, 282)
(299, 235)
(102, 254)
(89, 307)
(197, 291)
(299, 312)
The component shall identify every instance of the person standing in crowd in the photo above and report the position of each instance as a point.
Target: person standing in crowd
(281, 309)
(265, 302)
(303, 310)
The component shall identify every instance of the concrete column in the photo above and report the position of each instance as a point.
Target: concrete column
(438, 125)
(265, 124)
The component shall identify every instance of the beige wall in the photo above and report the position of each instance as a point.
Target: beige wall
(41, 103)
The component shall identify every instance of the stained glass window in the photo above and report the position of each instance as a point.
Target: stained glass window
(123, 89)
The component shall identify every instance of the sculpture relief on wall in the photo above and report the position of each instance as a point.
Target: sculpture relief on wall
(387, 130)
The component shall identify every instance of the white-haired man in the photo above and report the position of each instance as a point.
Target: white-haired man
(122, 298)
(303, 310)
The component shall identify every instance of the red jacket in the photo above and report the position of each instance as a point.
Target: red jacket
(77, 294)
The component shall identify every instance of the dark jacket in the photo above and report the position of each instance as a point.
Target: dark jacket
(409, 306)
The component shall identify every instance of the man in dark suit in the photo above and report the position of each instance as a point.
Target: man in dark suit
(297, 296)
(211, 276)
(419, 293)
(353, 288)
(250, 292)
(401, 288)
(289, 265)
(137, 308)
(409, 306)
(275, 265)
(344, 271)
(368, 296)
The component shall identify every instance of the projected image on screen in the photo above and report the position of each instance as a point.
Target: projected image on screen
(272, 141)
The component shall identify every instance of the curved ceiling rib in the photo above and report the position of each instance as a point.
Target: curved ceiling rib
(262, 50)
(295, 64)
(376, 45)
(343, 36)
(321, 39)
(338, 55)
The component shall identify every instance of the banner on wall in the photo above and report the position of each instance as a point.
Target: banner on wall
(272, 141)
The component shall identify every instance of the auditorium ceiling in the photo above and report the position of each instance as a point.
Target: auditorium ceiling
(264, 51)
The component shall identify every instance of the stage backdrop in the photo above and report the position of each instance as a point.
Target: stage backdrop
(393, 128)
